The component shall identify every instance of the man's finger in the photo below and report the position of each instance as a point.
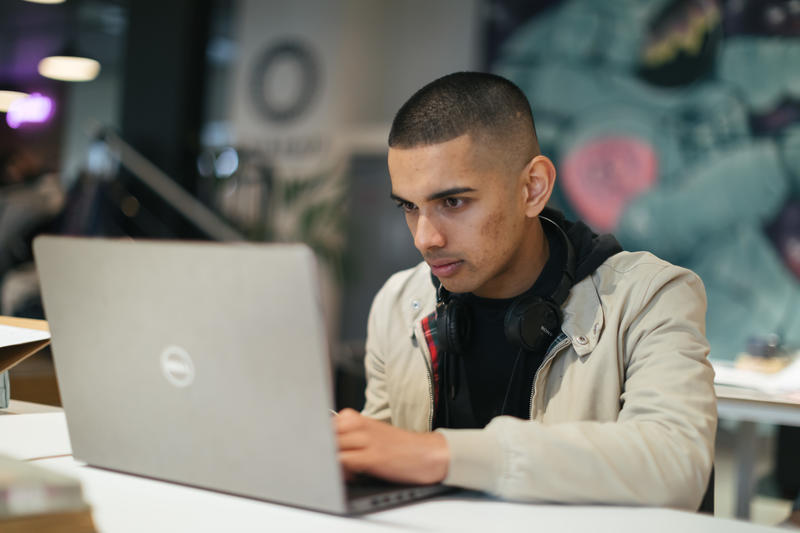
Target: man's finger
(348, 420)
(355, 461)
(352, 440)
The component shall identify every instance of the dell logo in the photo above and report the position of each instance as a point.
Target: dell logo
(177, 366)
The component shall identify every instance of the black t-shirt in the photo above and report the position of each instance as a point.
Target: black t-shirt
(495, 377)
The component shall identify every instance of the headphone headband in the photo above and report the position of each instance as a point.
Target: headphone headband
(567, 280)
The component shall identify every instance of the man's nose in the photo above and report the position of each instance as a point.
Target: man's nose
(427, 235)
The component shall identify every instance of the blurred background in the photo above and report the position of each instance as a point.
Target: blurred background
(674, 124)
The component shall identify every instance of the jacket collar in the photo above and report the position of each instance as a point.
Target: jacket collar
(583, 315)
(421, 300)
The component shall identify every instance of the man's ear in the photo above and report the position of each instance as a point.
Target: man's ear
(539, 179)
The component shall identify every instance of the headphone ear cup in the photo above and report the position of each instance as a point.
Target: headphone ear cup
(532, 323)
(454, 327)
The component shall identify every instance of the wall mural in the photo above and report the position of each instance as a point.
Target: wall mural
(675, 124)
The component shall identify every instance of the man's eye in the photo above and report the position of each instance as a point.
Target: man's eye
(453, 202)
(406, 206)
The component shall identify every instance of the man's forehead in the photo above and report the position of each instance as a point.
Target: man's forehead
(418, 184)
(427, 171)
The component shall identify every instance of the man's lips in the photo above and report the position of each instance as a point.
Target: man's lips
(443, 268)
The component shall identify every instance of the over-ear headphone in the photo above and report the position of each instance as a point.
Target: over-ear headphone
(531, 322)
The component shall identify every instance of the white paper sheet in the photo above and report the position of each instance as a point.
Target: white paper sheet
(12, 336)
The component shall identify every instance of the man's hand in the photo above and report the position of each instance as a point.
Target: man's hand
(372, 447)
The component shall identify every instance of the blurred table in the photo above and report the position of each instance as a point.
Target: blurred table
(126, 503)
(747, 407)
(17, 407)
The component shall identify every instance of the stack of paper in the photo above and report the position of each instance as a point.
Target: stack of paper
(785, 381)
(19, 339)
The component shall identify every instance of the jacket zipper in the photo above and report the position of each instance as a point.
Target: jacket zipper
(428, 372)
(566, 341)
(430, 394)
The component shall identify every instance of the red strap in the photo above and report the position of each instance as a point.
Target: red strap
(428, 327)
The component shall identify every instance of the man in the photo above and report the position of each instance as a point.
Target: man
(608, 397)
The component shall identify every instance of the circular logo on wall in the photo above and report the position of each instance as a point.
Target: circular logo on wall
(284, 80)
(177, 366)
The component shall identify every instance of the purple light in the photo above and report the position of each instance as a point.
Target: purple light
(35, 108)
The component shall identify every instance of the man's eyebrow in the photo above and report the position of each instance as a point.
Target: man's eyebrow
(436, 196)
(396, 198)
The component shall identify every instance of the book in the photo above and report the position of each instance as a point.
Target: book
(34, 498)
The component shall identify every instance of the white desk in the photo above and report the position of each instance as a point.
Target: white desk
(123, 503)
(31, 431)
(747, 408)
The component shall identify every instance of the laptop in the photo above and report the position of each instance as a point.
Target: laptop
(200, 363)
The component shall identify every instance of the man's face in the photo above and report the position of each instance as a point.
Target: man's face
(466, 211)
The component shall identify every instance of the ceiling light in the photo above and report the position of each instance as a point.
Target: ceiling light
(33, 109)
(69, 68)
(46, 1)
(6, 97)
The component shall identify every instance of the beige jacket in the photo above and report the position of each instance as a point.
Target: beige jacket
(623, 409)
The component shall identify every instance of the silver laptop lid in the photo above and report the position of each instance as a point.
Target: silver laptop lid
(200, 363)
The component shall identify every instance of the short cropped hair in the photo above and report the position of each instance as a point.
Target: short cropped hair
(476, 103)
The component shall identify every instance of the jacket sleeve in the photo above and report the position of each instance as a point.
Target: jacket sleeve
(660, 449)
(377, 395)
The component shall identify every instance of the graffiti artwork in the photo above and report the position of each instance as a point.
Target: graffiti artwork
(675, 124)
